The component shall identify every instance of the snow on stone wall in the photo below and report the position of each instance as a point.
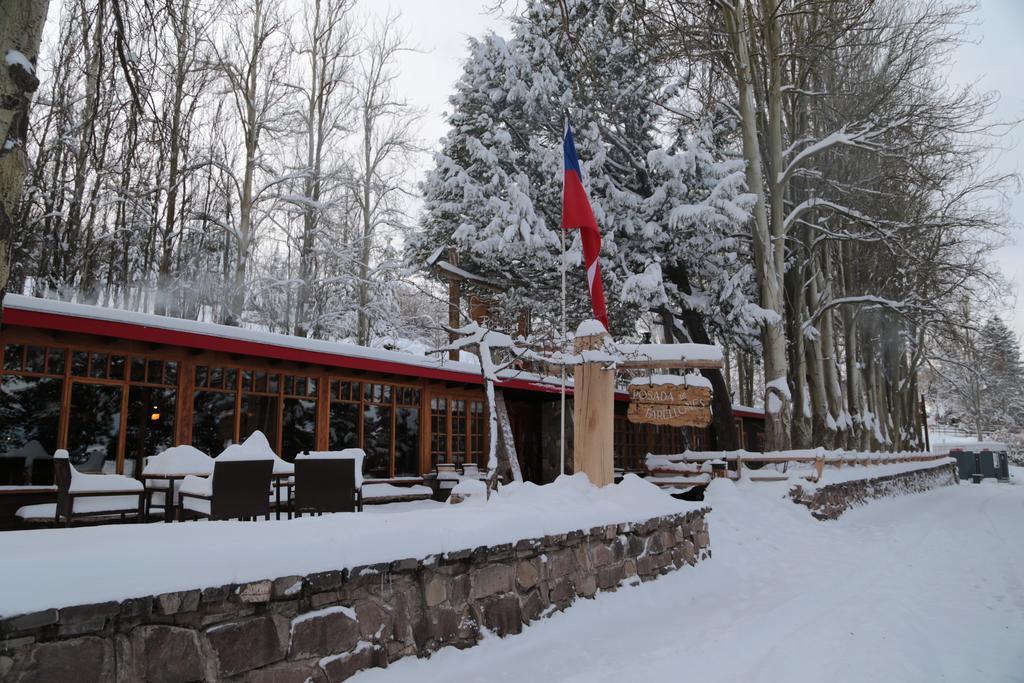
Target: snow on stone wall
(830, 501)
(326, 626)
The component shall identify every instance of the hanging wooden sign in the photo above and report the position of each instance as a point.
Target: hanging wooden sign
(670, 404)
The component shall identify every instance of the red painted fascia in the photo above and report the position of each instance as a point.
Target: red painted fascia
(157, 335)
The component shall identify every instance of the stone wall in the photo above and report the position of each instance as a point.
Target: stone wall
(832, 500)
(326, 626)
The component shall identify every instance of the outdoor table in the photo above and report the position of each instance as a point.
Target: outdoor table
(170, 500)
(285, 479)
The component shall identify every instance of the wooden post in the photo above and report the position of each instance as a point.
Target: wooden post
(454, 299)
(593, 415)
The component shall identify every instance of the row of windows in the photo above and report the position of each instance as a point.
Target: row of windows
(45, 360)
(254, 381)
(120, 405)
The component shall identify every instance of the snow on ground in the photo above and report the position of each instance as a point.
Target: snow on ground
(94, 564)
(926, 587)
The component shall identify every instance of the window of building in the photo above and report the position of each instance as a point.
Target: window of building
(29, 424)
(261, 405)
(438, 430)
(213, 408)
(298, 416)
(407, 431)
(458, 429)
(345, 415)
(378, 400)
(94, 426)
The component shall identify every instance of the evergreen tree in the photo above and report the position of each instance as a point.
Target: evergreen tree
(1001, 377)
(668, 198)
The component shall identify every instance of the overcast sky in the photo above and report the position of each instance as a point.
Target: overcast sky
(995, 61)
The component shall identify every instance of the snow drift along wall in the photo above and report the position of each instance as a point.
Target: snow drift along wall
(832, 500)
(327, 626)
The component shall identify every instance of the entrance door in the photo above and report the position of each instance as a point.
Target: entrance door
(525, 419)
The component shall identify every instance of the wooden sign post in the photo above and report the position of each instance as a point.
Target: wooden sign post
(593, 413)
(667, 399)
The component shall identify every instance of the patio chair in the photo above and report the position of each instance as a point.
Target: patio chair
(93, 495)
(237, 489)
(256, 446)
(175, 462)
(447, 478)
(12, 470)
(326, 482)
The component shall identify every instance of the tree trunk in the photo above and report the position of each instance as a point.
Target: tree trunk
(767, 255)
(21, 30)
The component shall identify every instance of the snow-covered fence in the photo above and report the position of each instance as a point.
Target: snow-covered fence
(816, 464)
(328, 625)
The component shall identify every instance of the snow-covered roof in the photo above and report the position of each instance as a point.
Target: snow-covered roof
(212, 336)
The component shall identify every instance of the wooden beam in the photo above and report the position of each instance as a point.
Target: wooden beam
(681, 364)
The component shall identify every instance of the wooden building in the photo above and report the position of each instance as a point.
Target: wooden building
(113, 387)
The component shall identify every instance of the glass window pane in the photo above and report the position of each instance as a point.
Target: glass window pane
(298, 423)
(35, 359)
(216, 378)
(273, 379)
(150, 425)
(311, 386)
(458, 432)
(246, 380)
(155, 371)
(438, 430)
(98, 365)
(260, 383)
(213, 421)
(139, 371)
(13, 354)
(171, 372)
(407, 441)
(230, 378)
(289, 384)
(29, 421)
(55, 361)
(377, 440)
(79, 363)
(386, 393)
(94, 426)
(344, 425)
(202, 375)
(117, 367)
(259, 413)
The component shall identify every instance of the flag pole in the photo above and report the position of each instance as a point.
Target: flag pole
(561, 440)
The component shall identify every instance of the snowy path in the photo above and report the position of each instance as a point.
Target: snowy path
(927, 587)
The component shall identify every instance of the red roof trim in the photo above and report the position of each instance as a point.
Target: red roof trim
(157, 335)
(195, 340)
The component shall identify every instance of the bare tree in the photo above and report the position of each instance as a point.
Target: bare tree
(381, 182)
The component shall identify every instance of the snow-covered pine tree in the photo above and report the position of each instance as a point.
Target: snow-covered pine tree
(1002, 377)
(668, 200)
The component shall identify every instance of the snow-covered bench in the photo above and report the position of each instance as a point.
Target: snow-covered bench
(87, 495)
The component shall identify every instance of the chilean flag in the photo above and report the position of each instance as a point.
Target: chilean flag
(577, 215)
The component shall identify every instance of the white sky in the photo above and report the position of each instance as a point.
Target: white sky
(440, 28)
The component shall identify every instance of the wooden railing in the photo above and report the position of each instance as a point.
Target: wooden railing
(694, 465)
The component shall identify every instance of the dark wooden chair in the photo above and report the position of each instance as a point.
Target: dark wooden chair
(238, 489)
(325, 485)
(93, 495)
(12, 470)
